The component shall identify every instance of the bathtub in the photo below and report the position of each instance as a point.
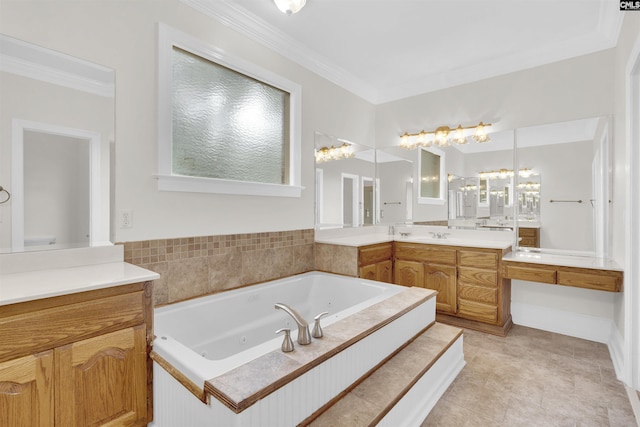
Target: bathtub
(208, 336)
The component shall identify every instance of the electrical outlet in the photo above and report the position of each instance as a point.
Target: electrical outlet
(126, 218)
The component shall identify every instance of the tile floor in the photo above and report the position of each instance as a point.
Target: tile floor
(533, 378)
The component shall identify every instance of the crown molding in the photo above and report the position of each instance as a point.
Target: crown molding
(36, 62)
(248, 24)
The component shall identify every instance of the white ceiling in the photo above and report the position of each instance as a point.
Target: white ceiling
(383, 50)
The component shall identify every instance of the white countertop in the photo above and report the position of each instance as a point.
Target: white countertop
(464, 238)
(358, 240)
(38, 284)
(563, 260)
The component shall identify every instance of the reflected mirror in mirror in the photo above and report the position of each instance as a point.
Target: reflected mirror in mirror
(57, 127)
(573, 207)
(346, 190)
(464, 165)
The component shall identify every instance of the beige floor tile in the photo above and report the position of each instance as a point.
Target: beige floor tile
(533, 378)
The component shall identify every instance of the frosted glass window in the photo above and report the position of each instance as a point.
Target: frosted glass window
(227, 125)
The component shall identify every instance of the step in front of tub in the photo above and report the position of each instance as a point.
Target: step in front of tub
(242, 387)
(405, 387)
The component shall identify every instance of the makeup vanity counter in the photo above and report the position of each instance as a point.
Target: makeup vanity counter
(67, 319)
(562, 269)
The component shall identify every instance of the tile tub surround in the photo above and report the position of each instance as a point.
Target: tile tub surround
(194, 266)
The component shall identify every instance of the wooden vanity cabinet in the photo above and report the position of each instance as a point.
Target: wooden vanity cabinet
(471, 290)
(529, 237)
(428, 267)
(375, 262)
(78, 360)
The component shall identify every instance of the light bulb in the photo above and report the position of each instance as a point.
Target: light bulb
(290, 6)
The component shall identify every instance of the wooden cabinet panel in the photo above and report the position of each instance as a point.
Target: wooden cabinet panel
(590, 279)
(26, 391)
(442, 278)
(103, 380)
(478, 293)
(533, 274)
(478, 277)
(477, 311)
(375, 253)
(478, 259)
(425, 253)
(44, 329)
(384, 271)
(375, 262)
(369, 272)
(409, 273)
(94, 369)
(529, 237)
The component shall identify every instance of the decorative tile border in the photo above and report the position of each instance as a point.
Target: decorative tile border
(194, 266)
(151, 251)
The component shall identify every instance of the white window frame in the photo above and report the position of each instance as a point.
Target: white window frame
(443, 178)
(168, 38)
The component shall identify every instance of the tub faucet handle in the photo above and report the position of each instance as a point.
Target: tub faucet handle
(287, 344)
(317, 330)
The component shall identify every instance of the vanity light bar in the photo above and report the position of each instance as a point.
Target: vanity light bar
(444, 136)
(505, 173)
(326, 154)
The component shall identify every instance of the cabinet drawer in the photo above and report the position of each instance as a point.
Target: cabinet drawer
(478, 293)
(529, 242)
(477, 311)
(599, 280)
(541, 275)
(373, 254)
(527, 232)
(52, 327)
(426, 253)
(478, 259)
(478, 277)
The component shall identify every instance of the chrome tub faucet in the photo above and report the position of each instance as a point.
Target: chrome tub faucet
(304, 336)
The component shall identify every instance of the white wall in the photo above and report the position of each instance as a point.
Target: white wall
(122, 35)
(629, 36)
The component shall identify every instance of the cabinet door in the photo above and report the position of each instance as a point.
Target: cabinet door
(384, 271)
(369, 272)
(26, 391)
(442, 278)
(103, 380)
(409, 273)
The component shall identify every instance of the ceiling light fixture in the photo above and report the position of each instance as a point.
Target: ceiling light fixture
(444, 136)
(290, 7)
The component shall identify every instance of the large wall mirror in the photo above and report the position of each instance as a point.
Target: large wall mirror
(556, 197)
(456, 180)
(57, 137)
(566, 193)
(345, 183)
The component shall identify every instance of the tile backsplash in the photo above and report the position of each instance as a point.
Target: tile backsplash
(195, 266)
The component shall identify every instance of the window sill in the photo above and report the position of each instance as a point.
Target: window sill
(222, 186)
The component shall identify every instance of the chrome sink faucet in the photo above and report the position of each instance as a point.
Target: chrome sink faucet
(304, 336)
(439, 235)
